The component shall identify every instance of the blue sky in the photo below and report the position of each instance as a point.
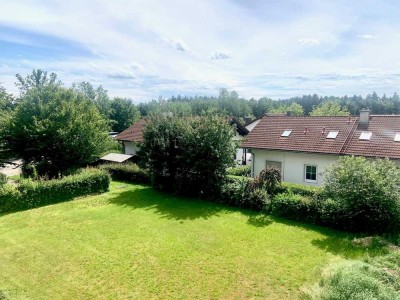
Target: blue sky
(145, 49)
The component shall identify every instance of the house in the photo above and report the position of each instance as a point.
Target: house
(132, 137)
(302, 147)
(243, 157)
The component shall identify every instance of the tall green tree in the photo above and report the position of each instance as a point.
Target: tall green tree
(123, 114)
(6, 100)
(38, 79)
(57, 130)
(6, 110)
(295, 108)
(99, 96)
(330, 108)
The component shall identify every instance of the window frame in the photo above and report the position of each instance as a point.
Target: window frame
(316, 173)
(286, 133)
(365, 136)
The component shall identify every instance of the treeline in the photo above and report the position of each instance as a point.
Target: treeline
(120, 113)
(230, 103)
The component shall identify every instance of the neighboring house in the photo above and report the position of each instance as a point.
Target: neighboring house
(243, 157)
(132, 137)
(302, 147)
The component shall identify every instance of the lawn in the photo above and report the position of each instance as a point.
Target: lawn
(136, 243)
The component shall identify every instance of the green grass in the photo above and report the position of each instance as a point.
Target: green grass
(136, 243)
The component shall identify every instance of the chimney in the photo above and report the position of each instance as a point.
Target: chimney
(247, 120)
(364, 116)
(289, 113)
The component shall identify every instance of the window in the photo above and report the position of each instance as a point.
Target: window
(332, 134)
(365, 135)
(287, 132)
(310, 173)
(397, 137)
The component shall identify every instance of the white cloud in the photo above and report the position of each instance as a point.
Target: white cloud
(152, 47)
(366, 36)
(308, 42)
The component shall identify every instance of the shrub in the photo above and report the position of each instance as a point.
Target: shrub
(28, 171)
(188, 155)
(374, 278)
(3, 179)
(29, 193)
(269, 179)
(241, 193)
(300, 189)
(239, 171)
(295, 207)
(126, 172)
(366, 192)
(234, 178)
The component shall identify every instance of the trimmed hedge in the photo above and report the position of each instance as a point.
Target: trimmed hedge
(234, 178)
(29, 194)
(295, 207)
(300, 189)
(296, 188)
(239, 171)
(126, 172)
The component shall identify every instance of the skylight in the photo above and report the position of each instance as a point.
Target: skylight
(365, 135)
(287, 132)
(397, 137)
(332, 134)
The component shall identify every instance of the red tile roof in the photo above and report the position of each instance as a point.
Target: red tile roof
(134, 133)
(309, 135)
(381, 144)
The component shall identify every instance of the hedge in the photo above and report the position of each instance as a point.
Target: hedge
(234, 178)
(295, 207)
(300, 189)
(126, 172)
(296, 188)
(239, 171)
(29, 193)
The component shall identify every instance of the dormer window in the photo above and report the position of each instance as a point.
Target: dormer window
(397, 137)
(332, 134)
(287, 132)
(365, 136)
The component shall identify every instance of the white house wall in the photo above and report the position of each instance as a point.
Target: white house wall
(293, 164)
(131, 148)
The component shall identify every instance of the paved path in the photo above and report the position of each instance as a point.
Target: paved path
(11, 169)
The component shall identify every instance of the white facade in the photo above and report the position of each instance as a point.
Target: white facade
(293, 164)
(131, 148)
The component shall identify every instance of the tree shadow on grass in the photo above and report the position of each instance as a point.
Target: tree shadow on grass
(346, 247)
(335, 241)
(168, 206)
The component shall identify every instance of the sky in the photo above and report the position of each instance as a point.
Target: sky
(143, 49)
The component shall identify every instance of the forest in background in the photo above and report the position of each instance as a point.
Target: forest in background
(122, 112)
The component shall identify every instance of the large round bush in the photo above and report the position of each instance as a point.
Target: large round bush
(366, 192)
